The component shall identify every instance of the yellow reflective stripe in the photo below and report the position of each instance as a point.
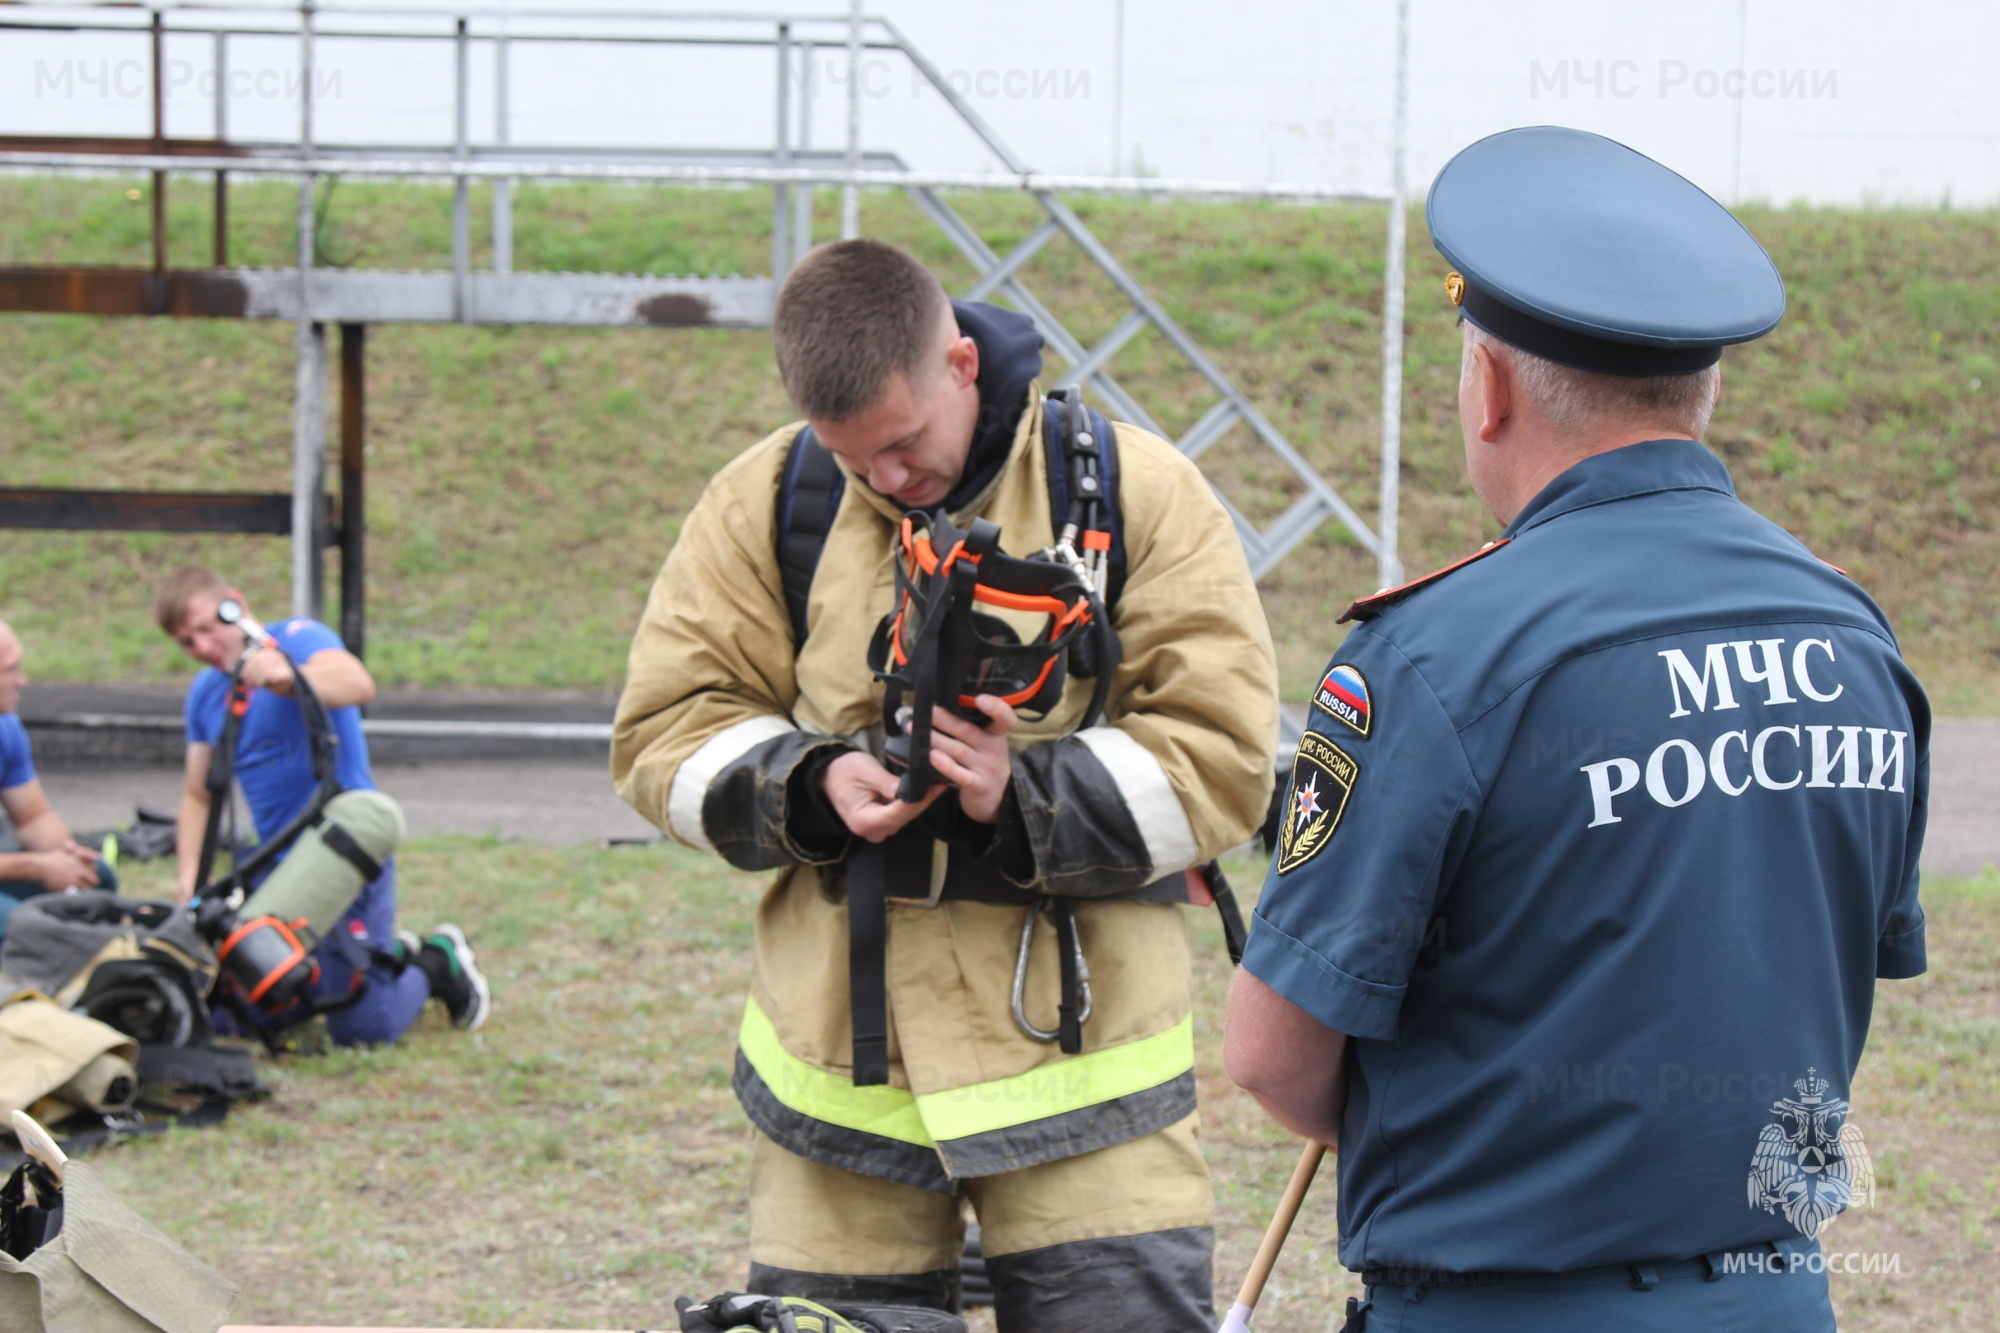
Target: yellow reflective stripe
(1068, 1085)
(811, 1091)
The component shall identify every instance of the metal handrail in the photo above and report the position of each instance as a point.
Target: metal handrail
(781, 168)
(1027, 182)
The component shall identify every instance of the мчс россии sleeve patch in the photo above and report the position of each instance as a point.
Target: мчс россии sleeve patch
(1323, 777)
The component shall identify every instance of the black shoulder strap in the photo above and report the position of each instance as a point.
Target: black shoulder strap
(1104, 438)
(339, 841)
(809, 492)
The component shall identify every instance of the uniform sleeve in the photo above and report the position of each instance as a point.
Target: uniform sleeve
(1372, 825)
(1901, 952)
(303, 639)
(1181, 771)
(17, 758)
(703, 744)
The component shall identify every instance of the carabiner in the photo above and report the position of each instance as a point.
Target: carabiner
(1021, 982)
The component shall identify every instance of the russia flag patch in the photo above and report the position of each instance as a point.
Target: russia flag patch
(1343, 694)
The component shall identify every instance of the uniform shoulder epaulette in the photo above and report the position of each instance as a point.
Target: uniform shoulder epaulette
(1375, 604)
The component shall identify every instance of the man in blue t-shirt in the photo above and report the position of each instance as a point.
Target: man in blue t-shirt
(273, 767)
(49, 859)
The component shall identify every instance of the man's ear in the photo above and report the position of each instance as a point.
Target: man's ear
(961, 356)
(1494, 390)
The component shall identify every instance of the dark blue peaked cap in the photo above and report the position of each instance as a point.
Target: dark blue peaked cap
(1580, 250)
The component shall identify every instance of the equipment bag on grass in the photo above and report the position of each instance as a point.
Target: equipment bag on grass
(732, 1312)
(75, 1259)
(54, 1064)
(139, 968)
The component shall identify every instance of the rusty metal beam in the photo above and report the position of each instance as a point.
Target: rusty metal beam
(148, 511)
(159, 138)
(90, 290)
(118, 147)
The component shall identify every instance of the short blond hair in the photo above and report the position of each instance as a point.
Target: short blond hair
(171, 598)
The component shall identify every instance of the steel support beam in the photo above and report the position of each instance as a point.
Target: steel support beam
(146, 511)
(353, 491)
(309, 368)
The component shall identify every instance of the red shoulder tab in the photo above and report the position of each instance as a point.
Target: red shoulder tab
(1372, 606)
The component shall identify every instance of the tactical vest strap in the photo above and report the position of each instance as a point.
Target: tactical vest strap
(872, 867)
(1061, 466)
(809, 495)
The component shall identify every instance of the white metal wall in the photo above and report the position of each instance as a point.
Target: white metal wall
(1831, 101)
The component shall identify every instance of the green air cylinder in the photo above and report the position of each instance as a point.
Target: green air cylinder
(317, 880)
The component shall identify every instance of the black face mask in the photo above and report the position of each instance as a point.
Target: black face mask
(939, 649)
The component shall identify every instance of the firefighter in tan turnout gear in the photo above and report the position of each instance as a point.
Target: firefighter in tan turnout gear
(752, 726)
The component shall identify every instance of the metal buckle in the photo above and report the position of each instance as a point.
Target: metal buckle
(1021, 981)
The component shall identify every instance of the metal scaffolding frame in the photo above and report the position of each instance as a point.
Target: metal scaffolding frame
(313, 297)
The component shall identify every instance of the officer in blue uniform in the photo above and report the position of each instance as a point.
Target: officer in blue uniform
(1598, 840)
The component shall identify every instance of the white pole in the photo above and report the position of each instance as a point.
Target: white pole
(461, 199)
(850, 194)
(1389, 568)
(1117, 88)
(1736, 137)
(503, 189)
(309, 380)
(781, 210)
(802, 195)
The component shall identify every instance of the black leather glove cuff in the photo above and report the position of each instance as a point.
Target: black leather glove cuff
(812, 825)
(1006, 838)
(1011, 852)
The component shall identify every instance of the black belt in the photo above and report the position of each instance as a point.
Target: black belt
(900, 868)
(1641, 1276)
(970, 881)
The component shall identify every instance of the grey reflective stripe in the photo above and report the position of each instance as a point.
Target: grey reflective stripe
(1073, 1132)
(836, 1145)
(1154, 1280)
(937, 1290)
(1155, 806)
(691, 779)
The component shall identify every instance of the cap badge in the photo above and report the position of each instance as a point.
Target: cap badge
(1454, 287)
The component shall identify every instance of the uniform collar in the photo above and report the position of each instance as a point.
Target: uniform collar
(1621, 474)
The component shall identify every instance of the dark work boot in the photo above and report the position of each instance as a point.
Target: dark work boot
(447, 960)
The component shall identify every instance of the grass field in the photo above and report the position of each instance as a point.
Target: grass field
(525, 483)
(581, 1161)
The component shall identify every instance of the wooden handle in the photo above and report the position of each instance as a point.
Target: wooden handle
(1281, 1225)
(35, 1142)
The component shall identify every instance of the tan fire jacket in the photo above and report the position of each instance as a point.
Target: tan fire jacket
(720, 711)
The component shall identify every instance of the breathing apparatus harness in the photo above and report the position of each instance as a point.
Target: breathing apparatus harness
(943, 645)
(266, 966)
(939, 649)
